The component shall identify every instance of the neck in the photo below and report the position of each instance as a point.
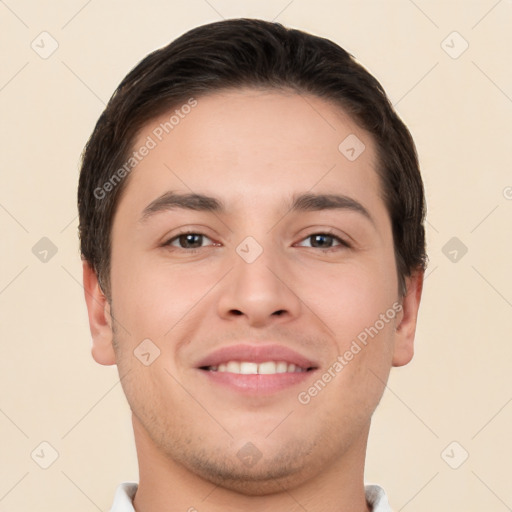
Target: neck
(167, 486)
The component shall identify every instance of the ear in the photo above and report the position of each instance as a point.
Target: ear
(100, 320)
(406, 328)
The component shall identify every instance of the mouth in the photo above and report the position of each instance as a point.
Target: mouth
(256, 369)
(253, 368)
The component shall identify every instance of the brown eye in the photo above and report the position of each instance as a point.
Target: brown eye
(188, 241)
(323, 241)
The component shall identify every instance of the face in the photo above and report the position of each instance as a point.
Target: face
(256, 259)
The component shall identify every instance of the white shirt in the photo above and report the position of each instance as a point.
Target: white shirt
(375, 496)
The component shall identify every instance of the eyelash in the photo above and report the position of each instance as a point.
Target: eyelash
(341, 242)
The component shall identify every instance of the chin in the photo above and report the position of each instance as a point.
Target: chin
(265, 476)
(252, 482)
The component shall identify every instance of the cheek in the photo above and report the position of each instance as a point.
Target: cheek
(152, 295)
(349, 298)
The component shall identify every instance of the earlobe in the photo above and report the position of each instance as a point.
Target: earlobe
(406, 327)
(100, 320)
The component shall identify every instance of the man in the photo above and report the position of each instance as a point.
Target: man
(251, 223)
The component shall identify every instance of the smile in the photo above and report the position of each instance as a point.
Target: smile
(252, 368)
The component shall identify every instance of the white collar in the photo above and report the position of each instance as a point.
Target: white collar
(123, 499)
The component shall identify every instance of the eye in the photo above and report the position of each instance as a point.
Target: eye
(188, 241)
(323, 241)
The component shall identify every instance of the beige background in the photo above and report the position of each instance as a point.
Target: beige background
(458, 387)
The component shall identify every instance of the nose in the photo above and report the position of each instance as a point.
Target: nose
(259, 293)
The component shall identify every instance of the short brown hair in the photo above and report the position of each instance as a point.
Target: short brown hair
(254, 53)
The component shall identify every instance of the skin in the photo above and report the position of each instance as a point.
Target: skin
(254, 150)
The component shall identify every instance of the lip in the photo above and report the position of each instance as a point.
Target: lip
(256, 354)
(256, 384)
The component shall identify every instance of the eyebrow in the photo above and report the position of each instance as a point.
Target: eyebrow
(300, 203)
(172, 200)
(318, 202)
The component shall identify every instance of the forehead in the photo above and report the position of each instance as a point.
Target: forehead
(250, 145)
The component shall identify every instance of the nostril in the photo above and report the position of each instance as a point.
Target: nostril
(279, 313)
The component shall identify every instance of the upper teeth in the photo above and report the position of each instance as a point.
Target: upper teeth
(250, 368)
